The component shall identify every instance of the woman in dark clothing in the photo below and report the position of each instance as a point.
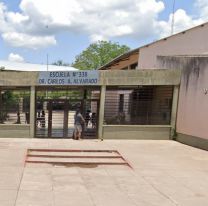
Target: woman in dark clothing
(78, 121)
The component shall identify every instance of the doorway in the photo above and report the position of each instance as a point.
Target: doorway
(55, 116)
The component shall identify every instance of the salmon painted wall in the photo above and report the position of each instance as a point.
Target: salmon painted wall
(190, 42)
(192, 115)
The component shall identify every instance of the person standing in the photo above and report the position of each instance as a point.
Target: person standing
(18, 118)
(78, 122)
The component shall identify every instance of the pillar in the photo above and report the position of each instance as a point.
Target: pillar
(32, 111)
(174, 111)
(101, 112)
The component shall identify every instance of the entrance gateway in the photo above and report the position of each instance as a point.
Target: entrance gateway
(55, 110)
(56, 105)
(115, 104)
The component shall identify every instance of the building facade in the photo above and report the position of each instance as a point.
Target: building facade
(192, 113)
(47, 110)
(188, 52)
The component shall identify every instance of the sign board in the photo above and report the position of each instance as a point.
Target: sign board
(81, 77)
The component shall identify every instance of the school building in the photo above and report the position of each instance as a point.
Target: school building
(187, 51)
(158, 91)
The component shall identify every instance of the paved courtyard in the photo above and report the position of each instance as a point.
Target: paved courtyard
(165, 173)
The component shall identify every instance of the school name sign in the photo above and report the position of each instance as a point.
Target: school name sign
(83, 77)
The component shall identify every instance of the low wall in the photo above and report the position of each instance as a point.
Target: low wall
(151, 132)
(193, 141)
(14, 131)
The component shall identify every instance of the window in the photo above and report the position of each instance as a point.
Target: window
(138, 105)
(14, 106)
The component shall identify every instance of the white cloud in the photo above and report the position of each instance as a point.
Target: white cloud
(16, 18)
(97, 19)
(15, 58)
(202, 6)
(96, 37)
(28, 41)
(3, 23)
(182, 21)
(38, 21)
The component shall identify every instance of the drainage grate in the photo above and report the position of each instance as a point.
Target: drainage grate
(75, 157)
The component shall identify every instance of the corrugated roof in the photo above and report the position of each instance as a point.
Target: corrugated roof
(17, 66)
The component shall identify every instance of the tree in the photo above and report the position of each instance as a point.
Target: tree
(7, 101)
(60, 63)
(98, 54)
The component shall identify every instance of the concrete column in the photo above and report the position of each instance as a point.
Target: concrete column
(101, 112)
(174, 111)
(32, 111)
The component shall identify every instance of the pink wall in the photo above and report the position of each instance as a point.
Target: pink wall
(192, 116)
(191, 42)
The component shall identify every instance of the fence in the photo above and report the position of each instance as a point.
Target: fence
(14, 106)
(138, 105)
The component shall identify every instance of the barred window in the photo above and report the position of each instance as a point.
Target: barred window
(140, 105)
(14, 106)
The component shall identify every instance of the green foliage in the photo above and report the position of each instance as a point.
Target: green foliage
(60, 63)
(8, 99)
(3, 116)
(41, 95)
(98, 54)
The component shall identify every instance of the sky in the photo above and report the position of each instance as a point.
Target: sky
(32, 29)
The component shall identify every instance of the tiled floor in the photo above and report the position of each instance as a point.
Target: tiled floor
(165, 173)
